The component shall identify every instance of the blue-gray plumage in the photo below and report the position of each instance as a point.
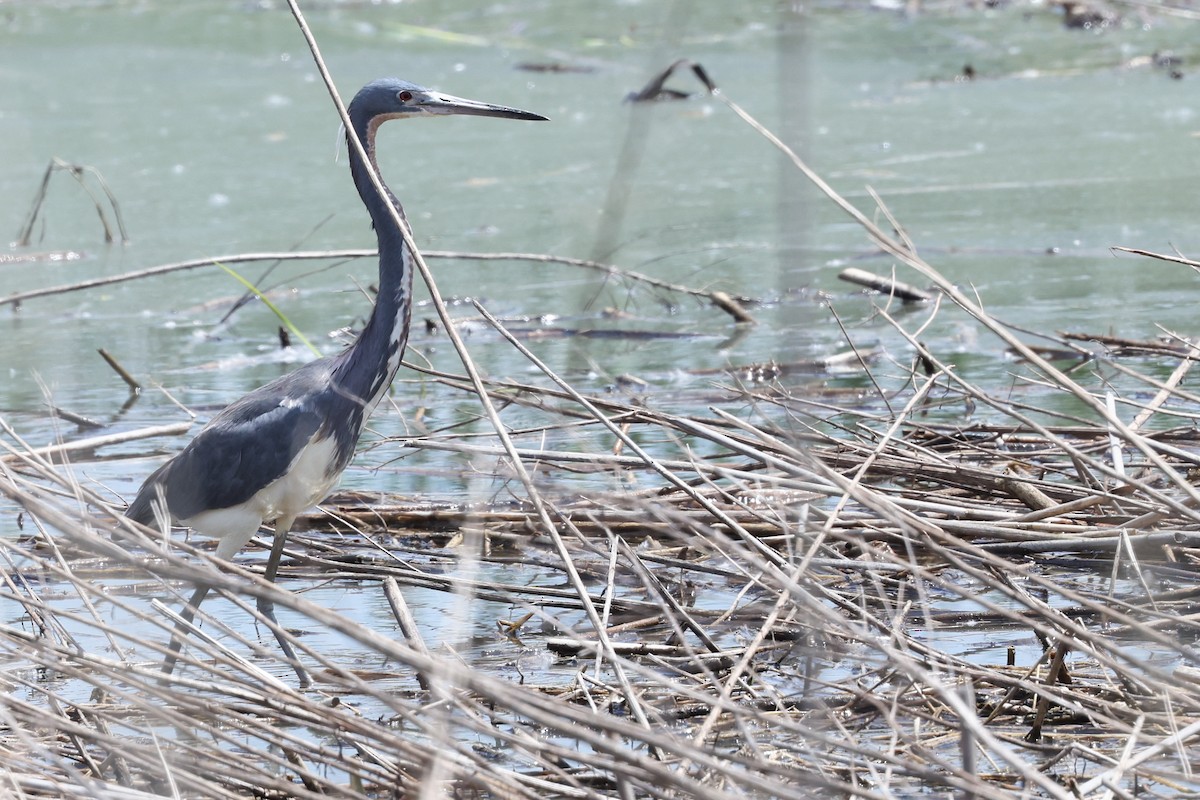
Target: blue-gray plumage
(277, 451)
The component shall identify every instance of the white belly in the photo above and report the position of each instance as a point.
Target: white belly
(300, 488)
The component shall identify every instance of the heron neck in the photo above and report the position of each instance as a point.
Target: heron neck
(366, 369)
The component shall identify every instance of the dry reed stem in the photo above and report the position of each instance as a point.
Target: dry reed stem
(16, 299)
(78, 172)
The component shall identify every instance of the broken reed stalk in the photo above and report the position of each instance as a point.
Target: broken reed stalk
(1167, 389)
(406, 621)
(130, 381)
(79, 172)
(1056, 673)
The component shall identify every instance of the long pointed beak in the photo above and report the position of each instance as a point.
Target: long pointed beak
(438, 103)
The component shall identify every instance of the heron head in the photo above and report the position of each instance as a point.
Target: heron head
(391, 98)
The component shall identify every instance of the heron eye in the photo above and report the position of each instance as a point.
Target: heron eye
(405, 96)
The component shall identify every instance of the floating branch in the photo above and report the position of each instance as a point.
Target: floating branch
(17, 298)
(90, 444)
(1120, 345)
(889, 286)
(731, 307)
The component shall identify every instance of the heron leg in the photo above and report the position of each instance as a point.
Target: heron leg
(266, 606)
(185, 620)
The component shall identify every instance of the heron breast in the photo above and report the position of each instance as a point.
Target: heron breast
(307, 481)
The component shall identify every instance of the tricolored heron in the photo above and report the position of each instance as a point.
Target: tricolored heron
(277, 451)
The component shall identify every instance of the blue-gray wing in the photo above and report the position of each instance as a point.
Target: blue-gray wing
(245, 447)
